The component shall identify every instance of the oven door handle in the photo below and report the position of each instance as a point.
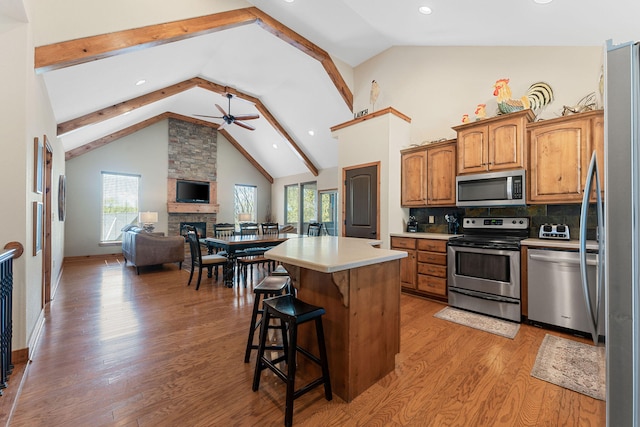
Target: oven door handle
(483, 295)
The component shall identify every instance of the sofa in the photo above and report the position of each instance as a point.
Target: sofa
(142, 248)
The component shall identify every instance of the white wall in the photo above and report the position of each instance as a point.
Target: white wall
(25, 114)
(378, 140)
(234, 168)
(435, 86)
(145, 153)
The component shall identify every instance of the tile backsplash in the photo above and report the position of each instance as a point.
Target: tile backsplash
(539, 214)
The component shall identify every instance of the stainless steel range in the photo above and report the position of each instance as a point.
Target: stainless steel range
(484, 266)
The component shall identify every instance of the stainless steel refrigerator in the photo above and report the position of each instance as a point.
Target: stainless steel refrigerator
(622, 238)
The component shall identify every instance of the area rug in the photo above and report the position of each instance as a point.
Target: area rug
(571, 364)
(492, 325)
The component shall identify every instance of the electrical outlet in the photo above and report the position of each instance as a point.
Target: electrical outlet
(432, 219)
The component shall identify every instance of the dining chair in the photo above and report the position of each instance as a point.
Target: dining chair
(200, 261)
(249, 228)
(270, 228)
(314, 229)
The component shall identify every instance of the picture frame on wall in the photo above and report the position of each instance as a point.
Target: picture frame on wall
(37, 227)
(62, 196)
(38, 166)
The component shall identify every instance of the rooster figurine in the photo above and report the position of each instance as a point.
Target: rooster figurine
(538, 95)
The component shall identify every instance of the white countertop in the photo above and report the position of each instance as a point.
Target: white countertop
(434, 236)
(328, 254)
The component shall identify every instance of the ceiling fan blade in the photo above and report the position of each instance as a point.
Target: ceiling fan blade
(222, 125)
(211, 117)
(247, 116)
(244, 125)
(224, 113)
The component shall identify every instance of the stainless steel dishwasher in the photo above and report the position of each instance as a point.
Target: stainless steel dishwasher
(555, 289)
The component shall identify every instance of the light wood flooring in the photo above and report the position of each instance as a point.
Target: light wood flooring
(120, 349)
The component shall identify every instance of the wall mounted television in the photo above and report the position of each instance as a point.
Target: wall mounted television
(192, 192)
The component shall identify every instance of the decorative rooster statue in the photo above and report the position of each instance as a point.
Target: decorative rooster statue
(538, 95)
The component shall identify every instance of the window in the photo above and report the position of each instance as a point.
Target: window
(329, 211)
(292, 204)
(119, 204)
(301, 205)
(309, 202)
(246, 202)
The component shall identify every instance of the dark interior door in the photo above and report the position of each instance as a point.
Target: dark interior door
(361, 202)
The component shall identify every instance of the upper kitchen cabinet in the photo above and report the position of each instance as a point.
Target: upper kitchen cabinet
(429, 175)
(560, 151)
(493, 144)
(414, 177)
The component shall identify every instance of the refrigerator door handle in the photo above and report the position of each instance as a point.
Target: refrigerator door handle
(593, 317)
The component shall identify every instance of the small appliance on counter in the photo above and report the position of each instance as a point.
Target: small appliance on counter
(554, 231)
(412, 225)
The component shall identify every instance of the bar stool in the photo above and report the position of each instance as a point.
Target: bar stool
(281, 271)
(292, 312)
(270, 286)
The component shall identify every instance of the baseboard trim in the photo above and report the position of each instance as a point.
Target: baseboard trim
(35, 336)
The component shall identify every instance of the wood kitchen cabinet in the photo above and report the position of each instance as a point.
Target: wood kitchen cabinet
(408, 266)
(494, 144)
(424, 271)
(559, 153)
(429, 175)
(414, 177)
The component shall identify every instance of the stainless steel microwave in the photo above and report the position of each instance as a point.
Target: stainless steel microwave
(491, 189)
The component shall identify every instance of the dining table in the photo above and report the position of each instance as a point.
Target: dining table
(238, 243)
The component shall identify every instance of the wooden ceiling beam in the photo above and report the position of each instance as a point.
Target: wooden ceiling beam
(87, 49)
(126, 106)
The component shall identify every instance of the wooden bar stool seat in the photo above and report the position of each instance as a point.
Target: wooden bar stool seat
(270, 286)
(292, 312)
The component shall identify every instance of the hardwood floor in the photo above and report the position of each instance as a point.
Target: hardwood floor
(126, 350)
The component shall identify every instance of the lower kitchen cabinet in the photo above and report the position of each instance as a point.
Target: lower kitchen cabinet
(424, 271)
(408, 264)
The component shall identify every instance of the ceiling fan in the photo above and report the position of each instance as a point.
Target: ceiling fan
(228, 118)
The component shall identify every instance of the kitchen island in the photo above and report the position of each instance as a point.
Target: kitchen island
(359, 287)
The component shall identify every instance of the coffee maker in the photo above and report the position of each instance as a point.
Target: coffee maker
(412, 225)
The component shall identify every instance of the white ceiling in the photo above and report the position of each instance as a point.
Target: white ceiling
(295, 87)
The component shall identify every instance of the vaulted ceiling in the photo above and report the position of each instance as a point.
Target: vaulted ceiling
(275, 58)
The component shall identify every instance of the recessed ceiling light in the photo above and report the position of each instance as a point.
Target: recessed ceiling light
(140, 82)
(425, 10)
(275, 146)
(311, 132)
(289, 1)
(542, 1)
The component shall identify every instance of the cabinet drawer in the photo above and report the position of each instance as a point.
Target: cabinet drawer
(432, 270)
(434, 285)
(432, 258)
(432, 245)
(403, 242)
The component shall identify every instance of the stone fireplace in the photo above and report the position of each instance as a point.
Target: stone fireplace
(193, 153)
